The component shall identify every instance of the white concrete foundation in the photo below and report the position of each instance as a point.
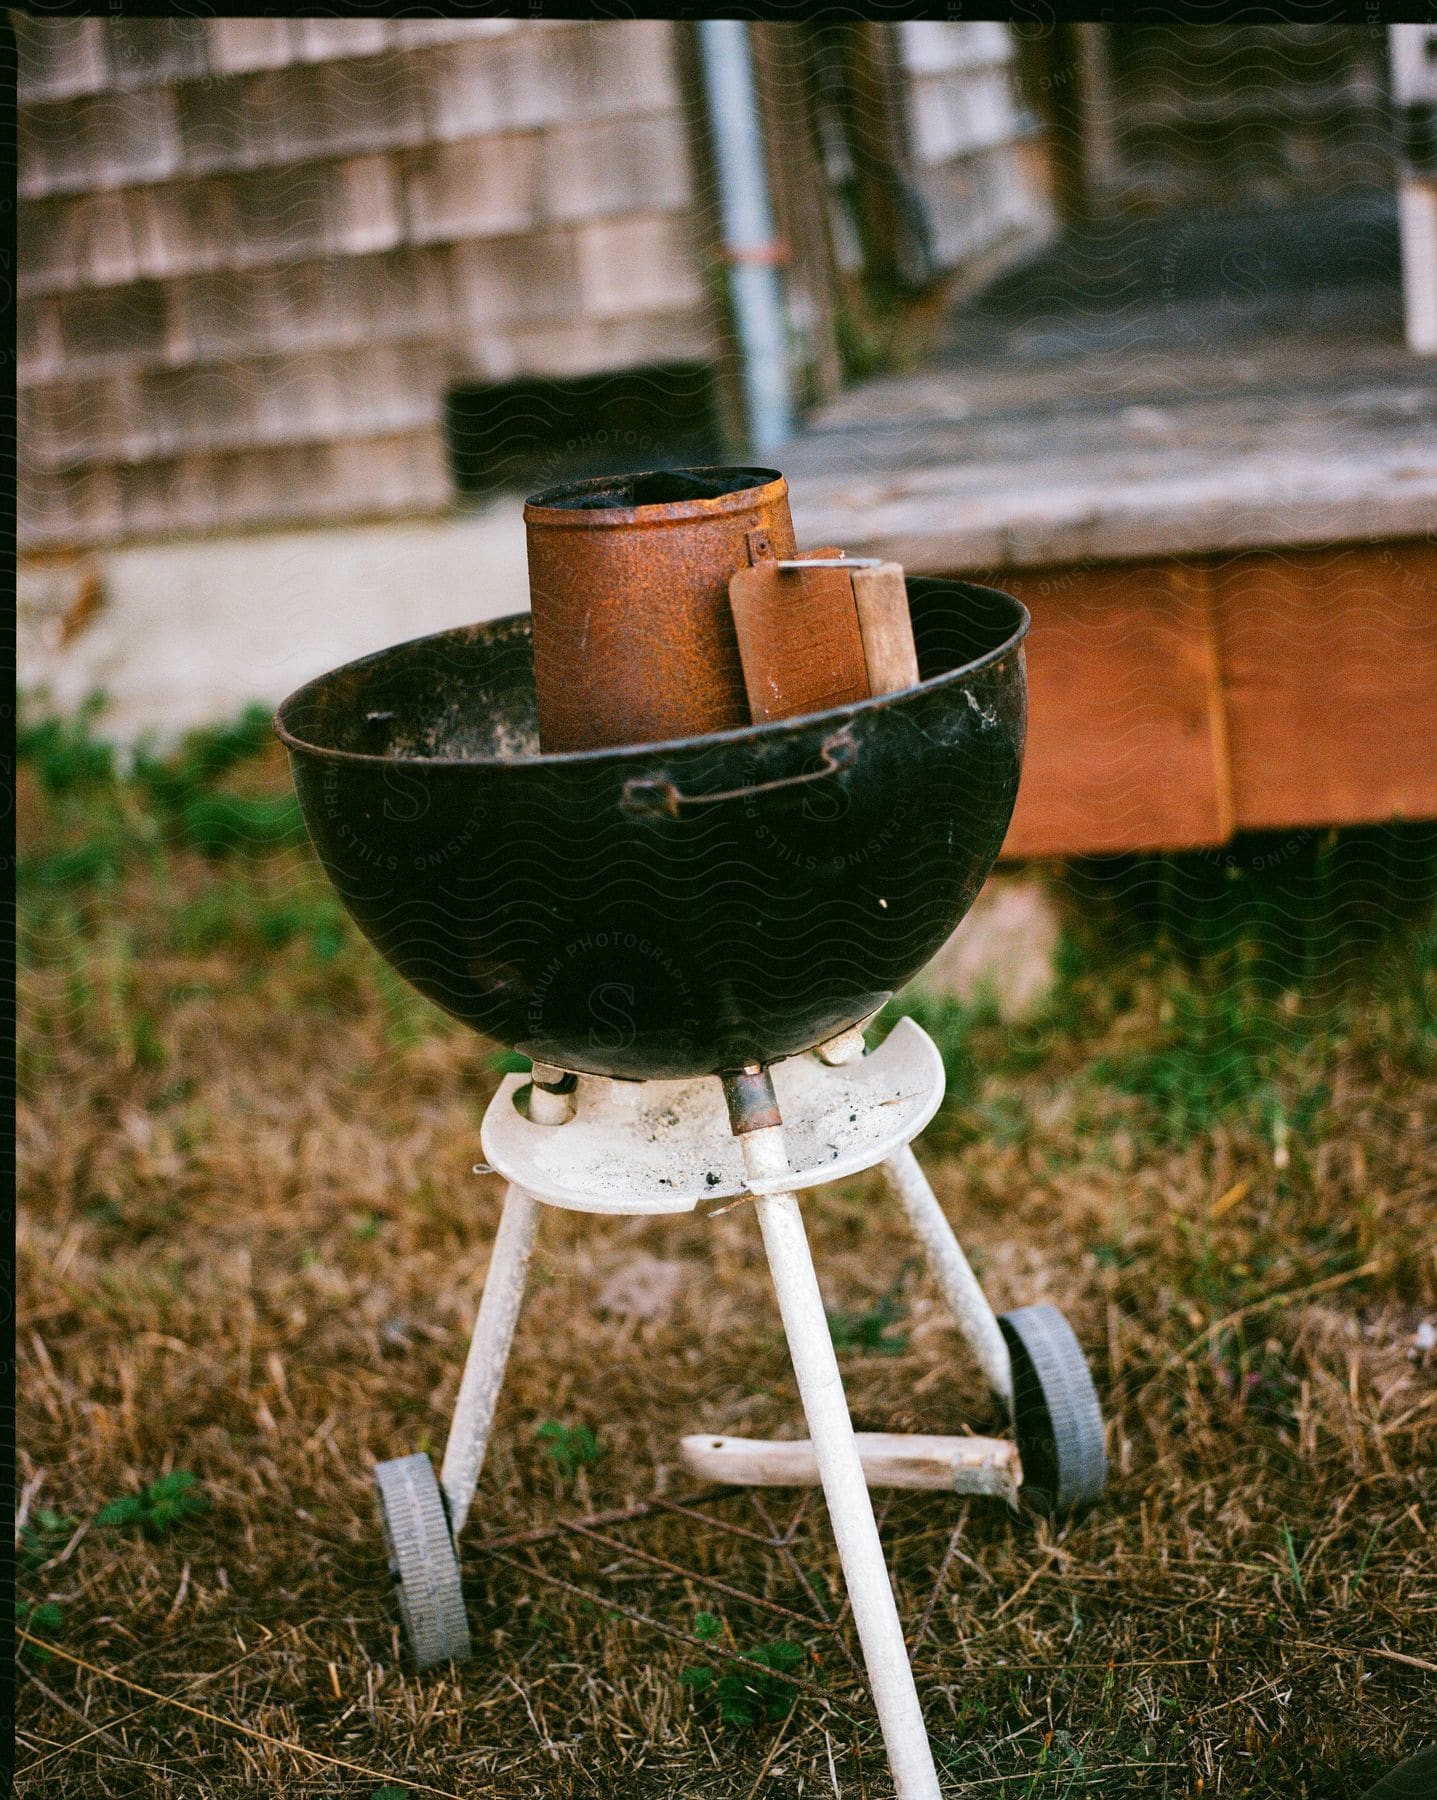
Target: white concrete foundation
(182, 634)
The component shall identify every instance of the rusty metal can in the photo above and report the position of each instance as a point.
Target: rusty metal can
(628, 577)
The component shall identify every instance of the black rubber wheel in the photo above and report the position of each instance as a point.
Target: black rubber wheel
(1415, 1779)
(422, 1560)
(1056, 1417)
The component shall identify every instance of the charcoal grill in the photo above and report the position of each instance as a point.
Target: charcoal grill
(687, 938)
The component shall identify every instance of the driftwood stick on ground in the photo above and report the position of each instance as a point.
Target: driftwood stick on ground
(960, 1465)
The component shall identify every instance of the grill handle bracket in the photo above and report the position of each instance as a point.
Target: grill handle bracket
(657, 794)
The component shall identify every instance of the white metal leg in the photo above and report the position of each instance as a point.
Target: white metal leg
(952, 1271)
(844, 1488)
(488, 1354)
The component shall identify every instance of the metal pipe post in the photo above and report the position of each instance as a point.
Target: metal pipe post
(952, 1271)
(760, 319)
(840, 1469)
(488, 1354)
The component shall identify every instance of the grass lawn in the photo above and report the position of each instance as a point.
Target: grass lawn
(251, 1245)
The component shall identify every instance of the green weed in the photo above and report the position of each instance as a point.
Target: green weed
(158, 1508)
(1301, 907)
(1285, 1532)
(42, 1536)
(408, 1017)
(39, 1618)
(1218, 1053)
(572, 1447)
(102, 818)
(64, 752)
(94, 863)
(744, 1696)
(220, 824)
(146, 1047)
(1361, 1568)
(870, 1331)
(222, 917)
(213, 750)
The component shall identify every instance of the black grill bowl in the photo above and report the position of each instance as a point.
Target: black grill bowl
(672, 909)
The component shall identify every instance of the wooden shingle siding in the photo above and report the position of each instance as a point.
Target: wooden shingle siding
(62, 506)
(481, 188)
(281, 485)
(591, 171)
(345, 303)
(495, 285)
(969, 138)
(240, 46)
(59, 58)
(145, 53)
(322, 40)
(529, 79)
(554, 75)
(1231, 113)
(102, 140)
(636, 264)
(63, 58)
(229, 406)
(39, 342)
(250, 247)
(255, 252)
(934, 47)
(241, 221)
(413, 295)
(575, 345)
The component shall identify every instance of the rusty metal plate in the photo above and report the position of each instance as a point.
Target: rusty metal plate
(799, 640)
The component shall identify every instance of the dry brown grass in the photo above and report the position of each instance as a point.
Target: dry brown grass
(251, 1247)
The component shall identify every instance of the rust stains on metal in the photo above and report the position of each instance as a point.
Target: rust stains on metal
(798, 637)
(633, 637)
(752, 1102)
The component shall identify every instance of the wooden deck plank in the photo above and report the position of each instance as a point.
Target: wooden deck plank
(1124, 456)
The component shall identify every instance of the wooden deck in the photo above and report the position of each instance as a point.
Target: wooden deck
(1229, 548)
